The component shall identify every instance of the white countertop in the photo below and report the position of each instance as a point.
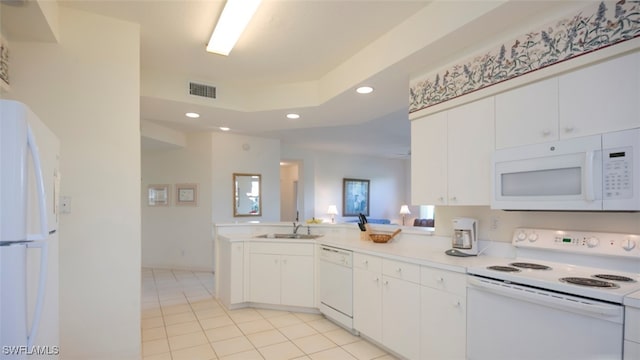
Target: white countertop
(422, 248)
(633, 300)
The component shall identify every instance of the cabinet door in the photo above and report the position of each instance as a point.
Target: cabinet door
(443, 321)
(527, 115)
(297, 281)
(400, 316)
(471, 145)
(600, 98)
(237, 273)
(264, 278)
(367, 303)
(429, 160)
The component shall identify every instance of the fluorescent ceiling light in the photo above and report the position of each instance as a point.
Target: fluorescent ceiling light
(192, 115)
(293, 116)
(364, 90)
(232, 22)
(224, 128)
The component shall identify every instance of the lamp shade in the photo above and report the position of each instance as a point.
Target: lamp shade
(332, 210)
(404, 210)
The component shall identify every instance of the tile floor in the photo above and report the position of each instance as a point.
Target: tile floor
(182, 320)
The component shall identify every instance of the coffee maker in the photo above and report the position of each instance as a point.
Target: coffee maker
(465, 237)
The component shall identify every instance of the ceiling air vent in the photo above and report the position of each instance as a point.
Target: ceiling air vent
(207, 91)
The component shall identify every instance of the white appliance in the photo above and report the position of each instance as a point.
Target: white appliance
(29, 186)
(592, 173)
(465, 237)
(336, 284)
(560, 298)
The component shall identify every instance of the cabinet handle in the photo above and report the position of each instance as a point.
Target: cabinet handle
(453, 198)
(441, 199)
(546, 132)
(386, 282)
(569, 129)
(456, 303)
(366, 262)
(440, 279)
(399, 270)
(377, 279)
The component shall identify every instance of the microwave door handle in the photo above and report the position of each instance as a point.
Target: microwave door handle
(587, 176)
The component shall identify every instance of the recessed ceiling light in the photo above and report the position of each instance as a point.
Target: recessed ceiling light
(192, 115)
(224, 128)
(364, 90)
(293, 116)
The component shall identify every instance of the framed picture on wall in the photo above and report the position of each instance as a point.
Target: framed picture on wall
(187, 194)
(355, 197)
(159, 195)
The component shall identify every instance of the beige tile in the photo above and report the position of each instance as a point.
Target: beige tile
(298, 331)
(201, 352)
(245, 355)
(176, 309)
(154, 334)
(155, 347)
(386, 357)
(223, 333)
(163, 356)
(302, 358)
(151, 323)
(285, 350)
(332, 354)
(314, 343)
(151, 313)
(269, 313)
(265, 338)
(188, 340)
(205, 304)
(323, 325)
(364, 350)
(216, 322)
(341, 336)
(306, 317)
(179, 318)
(231, 346)
(251, 327)
(244, 315)
(284, 320)
(183, 328)
(210, 313)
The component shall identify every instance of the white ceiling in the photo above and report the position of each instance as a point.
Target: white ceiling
(307, 56)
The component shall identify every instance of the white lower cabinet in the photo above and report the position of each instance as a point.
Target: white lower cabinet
(281, 274)
(631, 333)
(367, 295)
(400, 316)
(442, 314)
(231, 277)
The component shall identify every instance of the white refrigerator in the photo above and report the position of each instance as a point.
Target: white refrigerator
(29, 192)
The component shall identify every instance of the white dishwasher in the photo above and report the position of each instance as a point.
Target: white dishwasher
(336, 284)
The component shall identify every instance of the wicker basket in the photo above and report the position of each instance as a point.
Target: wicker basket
(383, 238)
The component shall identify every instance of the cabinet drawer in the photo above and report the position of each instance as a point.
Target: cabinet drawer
(367, 262)
(631, 321)
(443, 280)
(280, 248)
(401, 270)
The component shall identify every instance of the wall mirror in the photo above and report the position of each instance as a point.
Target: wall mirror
(247, 200)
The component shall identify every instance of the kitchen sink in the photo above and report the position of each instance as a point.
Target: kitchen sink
(288, 236)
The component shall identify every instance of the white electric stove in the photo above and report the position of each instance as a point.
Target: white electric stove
(561, 297)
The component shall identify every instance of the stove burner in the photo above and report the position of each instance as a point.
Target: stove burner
(503, 268)
(614, 277)
(589, 282)
(526, 265)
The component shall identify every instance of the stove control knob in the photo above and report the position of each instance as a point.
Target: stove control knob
(533, 237)
(628, 244)
(593, 242)
(521, 236)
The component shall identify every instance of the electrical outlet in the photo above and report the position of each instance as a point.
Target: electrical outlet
(65, 204)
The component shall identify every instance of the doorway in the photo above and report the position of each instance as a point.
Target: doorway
(291, 203)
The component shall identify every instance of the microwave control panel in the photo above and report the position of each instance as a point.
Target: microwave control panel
(617, 173)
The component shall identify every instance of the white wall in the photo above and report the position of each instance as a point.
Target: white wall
(86, 89)
(327, 170)
(232, 153)
(178, 236)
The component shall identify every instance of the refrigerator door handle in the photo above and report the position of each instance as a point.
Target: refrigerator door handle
(42, 280)
(42, 202)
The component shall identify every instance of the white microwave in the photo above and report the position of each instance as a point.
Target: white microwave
(592, 173)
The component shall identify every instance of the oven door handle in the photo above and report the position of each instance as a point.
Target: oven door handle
(551, 299)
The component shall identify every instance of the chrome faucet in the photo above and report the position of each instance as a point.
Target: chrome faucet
(296, 227)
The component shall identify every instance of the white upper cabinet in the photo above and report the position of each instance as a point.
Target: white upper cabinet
(429, 160)
(527, 115)
(600, 98)
(451, 155)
